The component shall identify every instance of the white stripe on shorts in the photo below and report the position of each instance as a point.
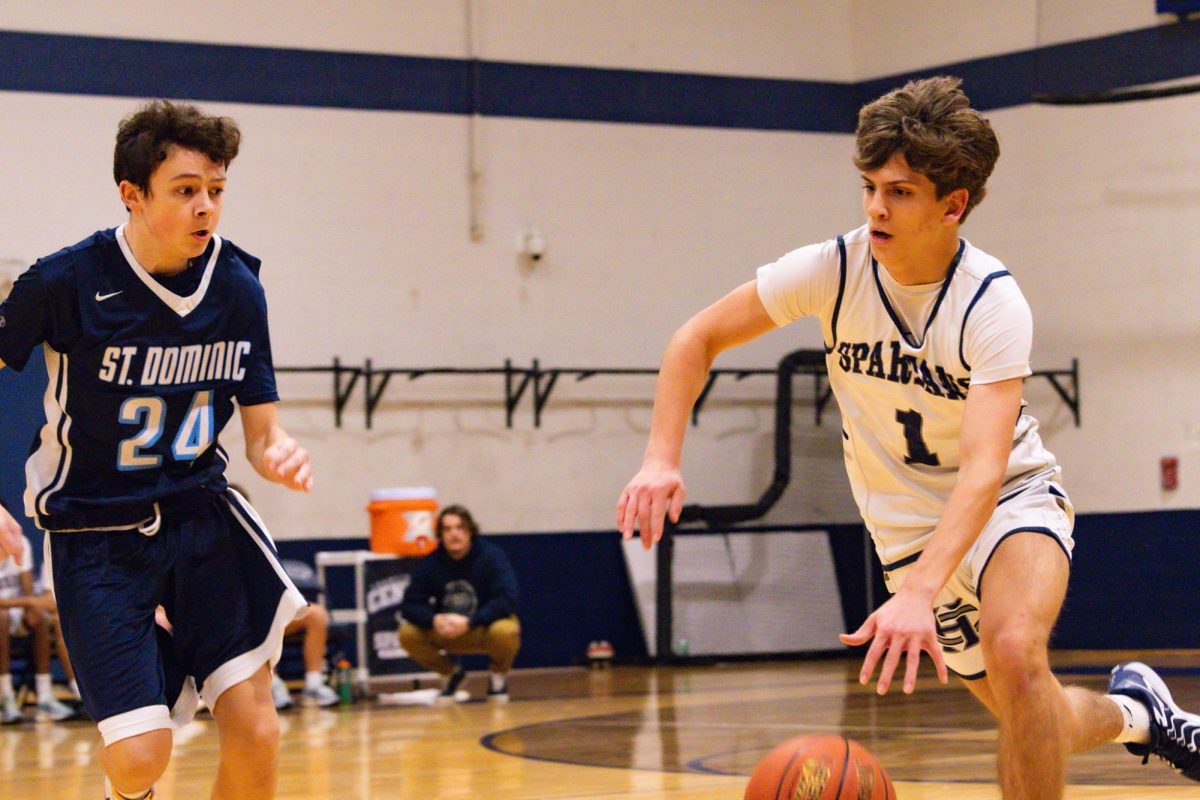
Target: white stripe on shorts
(132, 723)
(243, 667)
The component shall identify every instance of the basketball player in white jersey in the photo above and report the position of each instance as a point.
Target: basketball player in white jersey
(928, 341)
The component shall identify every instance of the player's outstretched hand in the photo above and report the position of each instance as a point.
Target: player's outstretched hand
(10, 536)
(654, 492)
(903, 626)
(287, 463)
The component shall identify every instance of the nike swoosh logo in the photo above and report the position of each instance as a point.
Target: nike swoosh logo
(100, 298)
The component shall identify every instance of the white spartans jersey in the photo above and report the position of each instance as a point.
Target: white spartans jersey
(901, 378)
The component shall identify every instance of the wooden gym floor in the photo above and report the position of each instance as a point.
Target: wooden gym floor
(685, 733)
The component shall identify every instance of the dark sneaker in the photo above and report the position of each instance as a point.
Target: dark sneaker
(1174, 733)
(450, 691)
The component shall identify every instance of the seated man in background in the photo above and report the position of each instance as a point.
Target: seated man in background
(29, 614)
(313, 625)
(462, 598)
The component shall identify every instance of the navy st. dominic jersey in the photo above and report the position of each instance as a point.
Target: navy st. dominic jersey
(142, 380)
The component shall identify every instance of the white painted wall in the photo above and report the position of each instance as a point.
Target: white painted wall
(761, 38)
(894, 36)
(362, 220)
(1096, 210)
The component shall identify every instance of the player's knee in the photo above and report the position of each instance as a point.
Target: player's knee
(410, 636)
(505, 632)
(1018, 658)
(257, 734)
(316, 617)
(139, 761)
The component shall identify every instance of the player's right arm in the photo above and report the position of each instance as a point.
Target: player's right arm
(658, 488)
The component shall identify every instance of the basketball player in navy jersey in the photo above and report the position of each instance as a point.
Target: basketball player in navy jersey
(928, 341)
(151, 332)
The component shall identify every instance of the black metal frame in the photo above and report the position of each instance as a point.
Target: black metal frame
(541, 381)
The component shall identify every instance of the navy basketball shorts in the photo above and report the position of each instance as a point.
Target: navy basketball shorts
(1038, 507)
(213, 567)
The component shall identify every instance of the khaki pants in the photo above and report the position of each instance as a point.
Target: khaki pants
(499, 641)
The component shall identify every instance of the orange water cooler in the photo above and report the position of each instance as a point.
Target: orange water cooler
(403, 519)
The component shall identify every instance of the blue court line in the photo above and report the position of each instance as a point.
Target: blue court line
(95, 65)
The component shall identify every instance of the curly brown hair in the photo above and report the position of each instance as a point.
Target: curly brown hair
(931, 123)
(145, 137)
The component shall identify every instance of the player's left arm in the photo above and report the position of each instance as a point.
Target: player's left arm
(903, 626)
(273, 454)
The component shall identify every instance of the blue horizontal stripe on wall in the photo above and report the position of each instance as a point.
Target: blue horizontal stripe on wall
(56, 63)
(661, 98)
(1111, 62)
(37, 62)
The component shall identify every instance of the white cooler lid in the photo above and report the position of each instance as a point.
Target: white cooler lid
(404, 493)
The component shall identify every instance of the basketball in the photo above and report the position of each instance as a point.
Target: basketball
(819, 768)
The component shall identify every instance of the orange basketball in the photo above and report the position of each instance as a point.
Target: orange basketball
(820, 768)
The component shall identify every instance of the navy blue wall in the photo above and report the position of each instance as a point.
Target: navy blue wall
(1131, 582)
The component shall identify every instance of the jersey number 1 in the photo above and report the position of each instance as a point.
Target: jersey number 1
(918, 451)
(194, 437)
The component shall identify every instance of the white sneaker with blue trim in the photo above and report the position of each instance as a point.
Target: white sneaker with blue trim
(1174, 733)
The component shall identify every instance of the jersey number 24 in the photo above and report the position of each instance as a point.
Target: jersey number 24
(194, 436)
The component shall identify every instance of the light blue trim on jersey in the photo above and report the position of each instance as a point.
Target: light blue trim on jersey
(978, 294)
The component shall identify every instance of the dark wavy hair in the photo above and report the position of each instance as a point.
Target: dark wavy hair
(932, 124)
(462, 513)
(145, 137)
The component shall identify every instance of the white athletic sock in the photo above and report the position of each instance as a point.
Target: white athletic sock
(1136, 717)
(313, 680)
(498, 679)
(6, 687)
(45, 689)
(74, 687)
